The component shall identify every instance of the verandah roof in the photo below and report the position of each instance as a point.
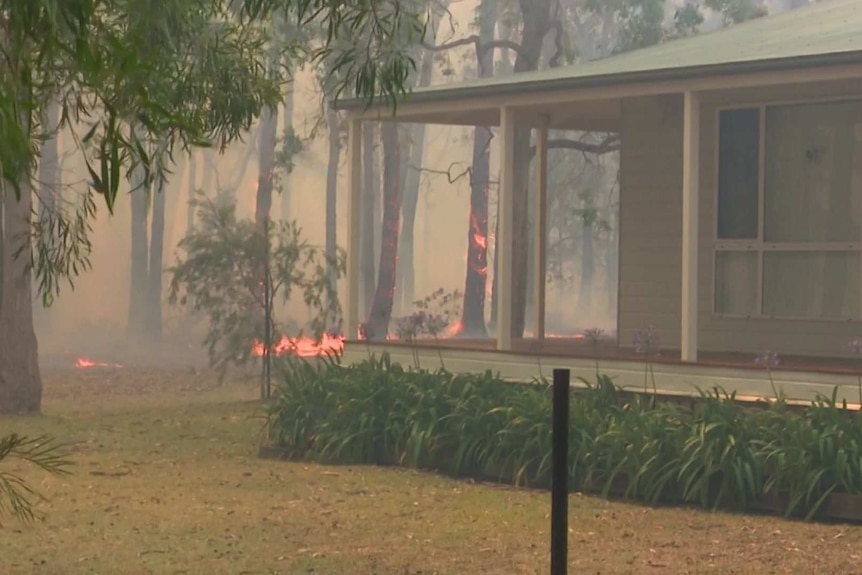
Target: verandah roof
(828, 33)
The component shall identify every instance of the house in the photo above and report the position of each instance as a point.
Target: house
(740, 199)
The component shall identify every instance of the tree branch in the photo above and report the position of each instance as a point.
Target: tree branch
(466, 172)
(559, 47)
(609, 144)
(481, 47)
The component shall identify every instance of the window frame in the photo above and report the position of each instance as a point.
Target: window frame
(758, 245)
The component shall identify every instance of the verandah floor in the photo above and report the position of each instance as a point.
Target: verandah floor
(578, 347)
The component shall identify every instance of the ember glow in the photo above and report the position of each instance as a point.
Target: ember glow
(83, 362)
(304, 346)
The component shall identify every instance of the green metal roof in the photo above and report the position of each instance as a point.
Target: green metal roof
(826, 33)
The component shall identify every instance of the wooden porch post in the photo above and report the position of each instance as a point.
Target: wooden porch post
(354, 195)
(690, 191)
(504, 244)
(541, 229)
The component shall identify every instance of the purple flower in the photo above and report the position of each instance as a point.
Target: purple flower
(767, 359)
(647, 341)
(435, 324)
(855, 345)
(408, 327)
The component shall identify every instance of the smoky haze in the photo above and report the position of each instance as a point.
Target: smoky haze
(582, 208)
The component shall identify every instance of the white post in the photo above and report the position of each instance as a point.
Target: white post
(690, 191)
(541, 230)
(354, 196)
(505, 211)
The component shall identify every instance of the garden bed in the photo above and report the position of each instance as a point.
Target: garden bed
(713, 452)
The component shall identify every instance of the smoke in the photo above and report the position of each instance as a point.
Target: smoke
(91, 319)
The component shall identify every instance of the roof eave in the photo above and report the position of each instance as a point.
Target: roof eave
(527, 86)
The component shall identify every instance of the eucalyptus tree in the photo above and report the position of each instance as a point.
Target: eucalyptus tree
(204, 89)
(402, 148)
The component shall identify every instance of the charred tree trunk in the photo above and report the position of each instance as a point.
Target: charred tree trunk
(476, 276)
(377, 324)
(154, 273)
(332, 120)
(370, 214)
(20, 380)
(139, 255)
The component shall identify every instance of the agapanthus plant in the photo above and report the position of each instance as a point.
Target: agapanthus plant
(647, 342)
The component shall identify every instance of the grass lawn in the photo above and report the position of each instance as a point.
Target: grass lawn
(166, 480)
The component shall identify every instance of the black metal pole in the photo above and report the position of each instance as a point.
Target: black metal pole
(560, 474)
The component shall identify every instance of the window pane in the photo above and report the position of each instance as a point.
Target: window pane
(811, 284)
(738, 173)
(736, 283)
(814, 173)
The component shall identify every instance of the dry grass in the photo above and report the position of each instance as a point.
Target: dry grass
(166, 480)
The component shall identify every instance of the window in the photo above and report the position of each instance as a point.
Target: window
(789, 222)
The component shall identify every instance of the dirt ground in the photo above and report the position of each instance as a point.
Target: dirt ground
(166, 480)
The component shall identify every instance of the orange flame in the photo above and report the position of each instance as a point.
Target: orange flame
(83, 362)
(304, 346)
(455, 329)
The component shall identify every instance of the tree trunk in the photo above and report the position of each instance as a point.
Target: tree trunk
(154, 273)
(502, 67)
(402, 302)
(377, 200)
(2, 240)
(406, 261)
(793, 4)
(370, 216)
(20, 380)
(588, 267)
(377, 324)
(612, 262)
(49, 160)
(207, 175)
(536, 23)
(266, 164)
(193, 187)
(332, 120)
(413, 176)
(266, 153)
(49, 186)
(476, 276)
(287, 130)
(140, 201)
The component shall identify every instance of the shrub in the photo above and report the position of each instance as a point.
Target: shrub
(223, 266)
(717, 454)
(16, 495)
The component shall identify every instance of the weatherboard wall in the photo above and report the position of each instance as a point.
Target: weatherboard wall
(651, 229)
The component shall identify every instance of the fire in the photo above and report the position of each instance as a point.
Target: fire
(455, 329)
(304, 346)
(83, 362)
